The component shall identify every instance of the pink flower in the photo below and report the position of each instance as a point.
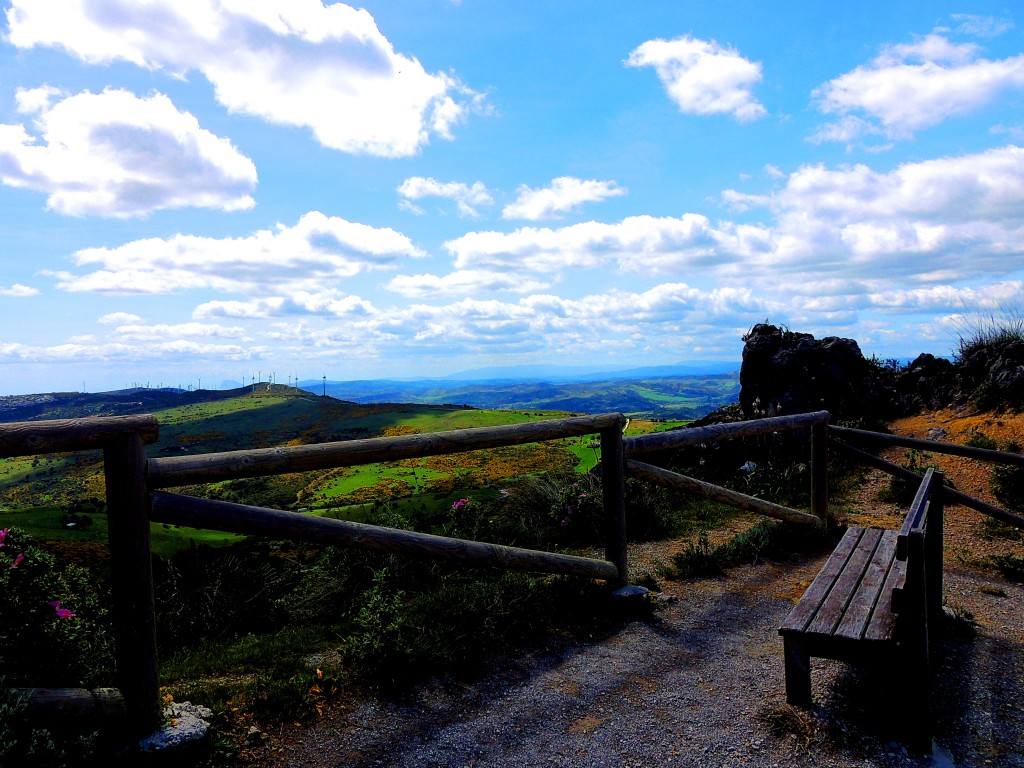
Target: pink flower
(3, 535)
(460, 503)
(62, 613)
(17, 560)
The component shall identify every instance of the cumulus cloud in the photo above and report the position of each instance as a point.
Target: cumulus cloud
(703, 77)
(466, 197)
(18, 291)
(323, 303)
(301, 63)
(564, 194)
(119, 318)
(463, 282)
(115, 154)
(319, 249)
(938, 220)
(912, 86)
(163, 331)
(643, 244)
(79, 351)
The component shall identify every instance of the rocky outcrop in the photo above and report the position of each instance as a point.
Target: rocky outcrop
(784, 372)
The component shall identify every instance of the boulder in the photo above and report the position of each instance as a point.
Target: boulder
(784, 372)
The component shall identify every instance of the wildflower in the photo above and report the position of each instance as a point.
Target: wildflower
(565, 523)
(460, 503)
(17, 560)
(62, 613)
(3, 535)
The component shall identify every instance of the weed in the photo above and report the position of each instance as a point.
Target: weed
(767, 539)
(785, 720)
(990, 528)
(1008, 481)
(1010, 565)
(901, 491)
(698, 559)
(959, 620)
(981, 440)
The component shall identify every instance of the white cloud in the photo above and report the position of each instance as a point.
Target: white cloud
(319, 249)
(119, 318)
(642, 244)
(466, 197)
(18, 291)
(949, 298)
(564, 194)
(703, 77)
(464, 283)
(162, 332)
(951, 218)
(299, 63)
(912, 86)
(127, 353)
(981, 26)
(114, 154)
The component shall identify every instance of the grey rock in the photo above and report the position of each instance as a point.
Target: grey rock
(185, 724)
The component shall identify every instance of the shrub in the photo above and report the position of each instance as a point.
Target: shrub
(901, 491)
(1008, 481)
(54, 628)
(1010, 565)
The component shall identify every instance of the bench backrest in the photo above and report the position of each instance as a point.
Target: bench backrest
(920, 544)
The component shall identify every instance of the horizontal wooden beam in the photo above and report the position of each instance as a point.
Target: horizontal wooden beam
(674, 480)
(28, 438)
(954, 449)
(677, 438)
(177, 509)
(213, 467)
(62, 705)
(952, 495)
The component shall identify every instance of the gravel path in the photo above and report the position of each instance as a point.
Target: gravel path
(699, 683)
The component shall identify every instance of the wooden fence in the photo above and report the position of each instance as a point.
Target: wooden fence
(135, 498)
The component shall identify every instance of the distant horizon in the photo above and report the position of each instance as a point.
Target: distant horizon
(415, 189)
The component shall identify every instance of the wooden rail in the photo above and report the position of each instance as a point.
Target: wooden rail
(953, 496)
(176, 509)
(133, 502)
(668, 479)
(679, 438)
(27, 438)
(229, 465)
(953, 449)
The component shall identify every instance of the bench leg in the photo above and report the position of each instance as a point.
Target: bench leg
(798, 672)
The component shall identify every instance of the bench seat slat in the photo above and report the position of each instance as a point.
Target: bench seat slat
(803, 613)
(870, 595)
(831, 611)
(883, 621)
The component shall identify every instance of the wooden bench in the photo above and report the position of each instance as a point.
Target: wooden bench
(873, 602)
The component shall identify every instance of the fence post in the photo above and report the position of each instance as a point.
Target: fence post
(131, 567)
(819, 470)
(613, 483)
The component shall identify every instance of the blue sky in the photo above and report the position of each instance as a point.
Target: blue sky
(197, 192)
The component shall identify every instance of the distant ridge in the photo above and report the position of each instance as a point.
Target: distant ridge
(591, 373)
(682, 391)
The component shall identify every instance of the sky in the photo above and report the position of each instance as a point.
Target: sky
(202, 192)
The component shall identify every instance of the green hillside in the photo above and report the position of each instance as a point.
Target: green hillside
(59, 497)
